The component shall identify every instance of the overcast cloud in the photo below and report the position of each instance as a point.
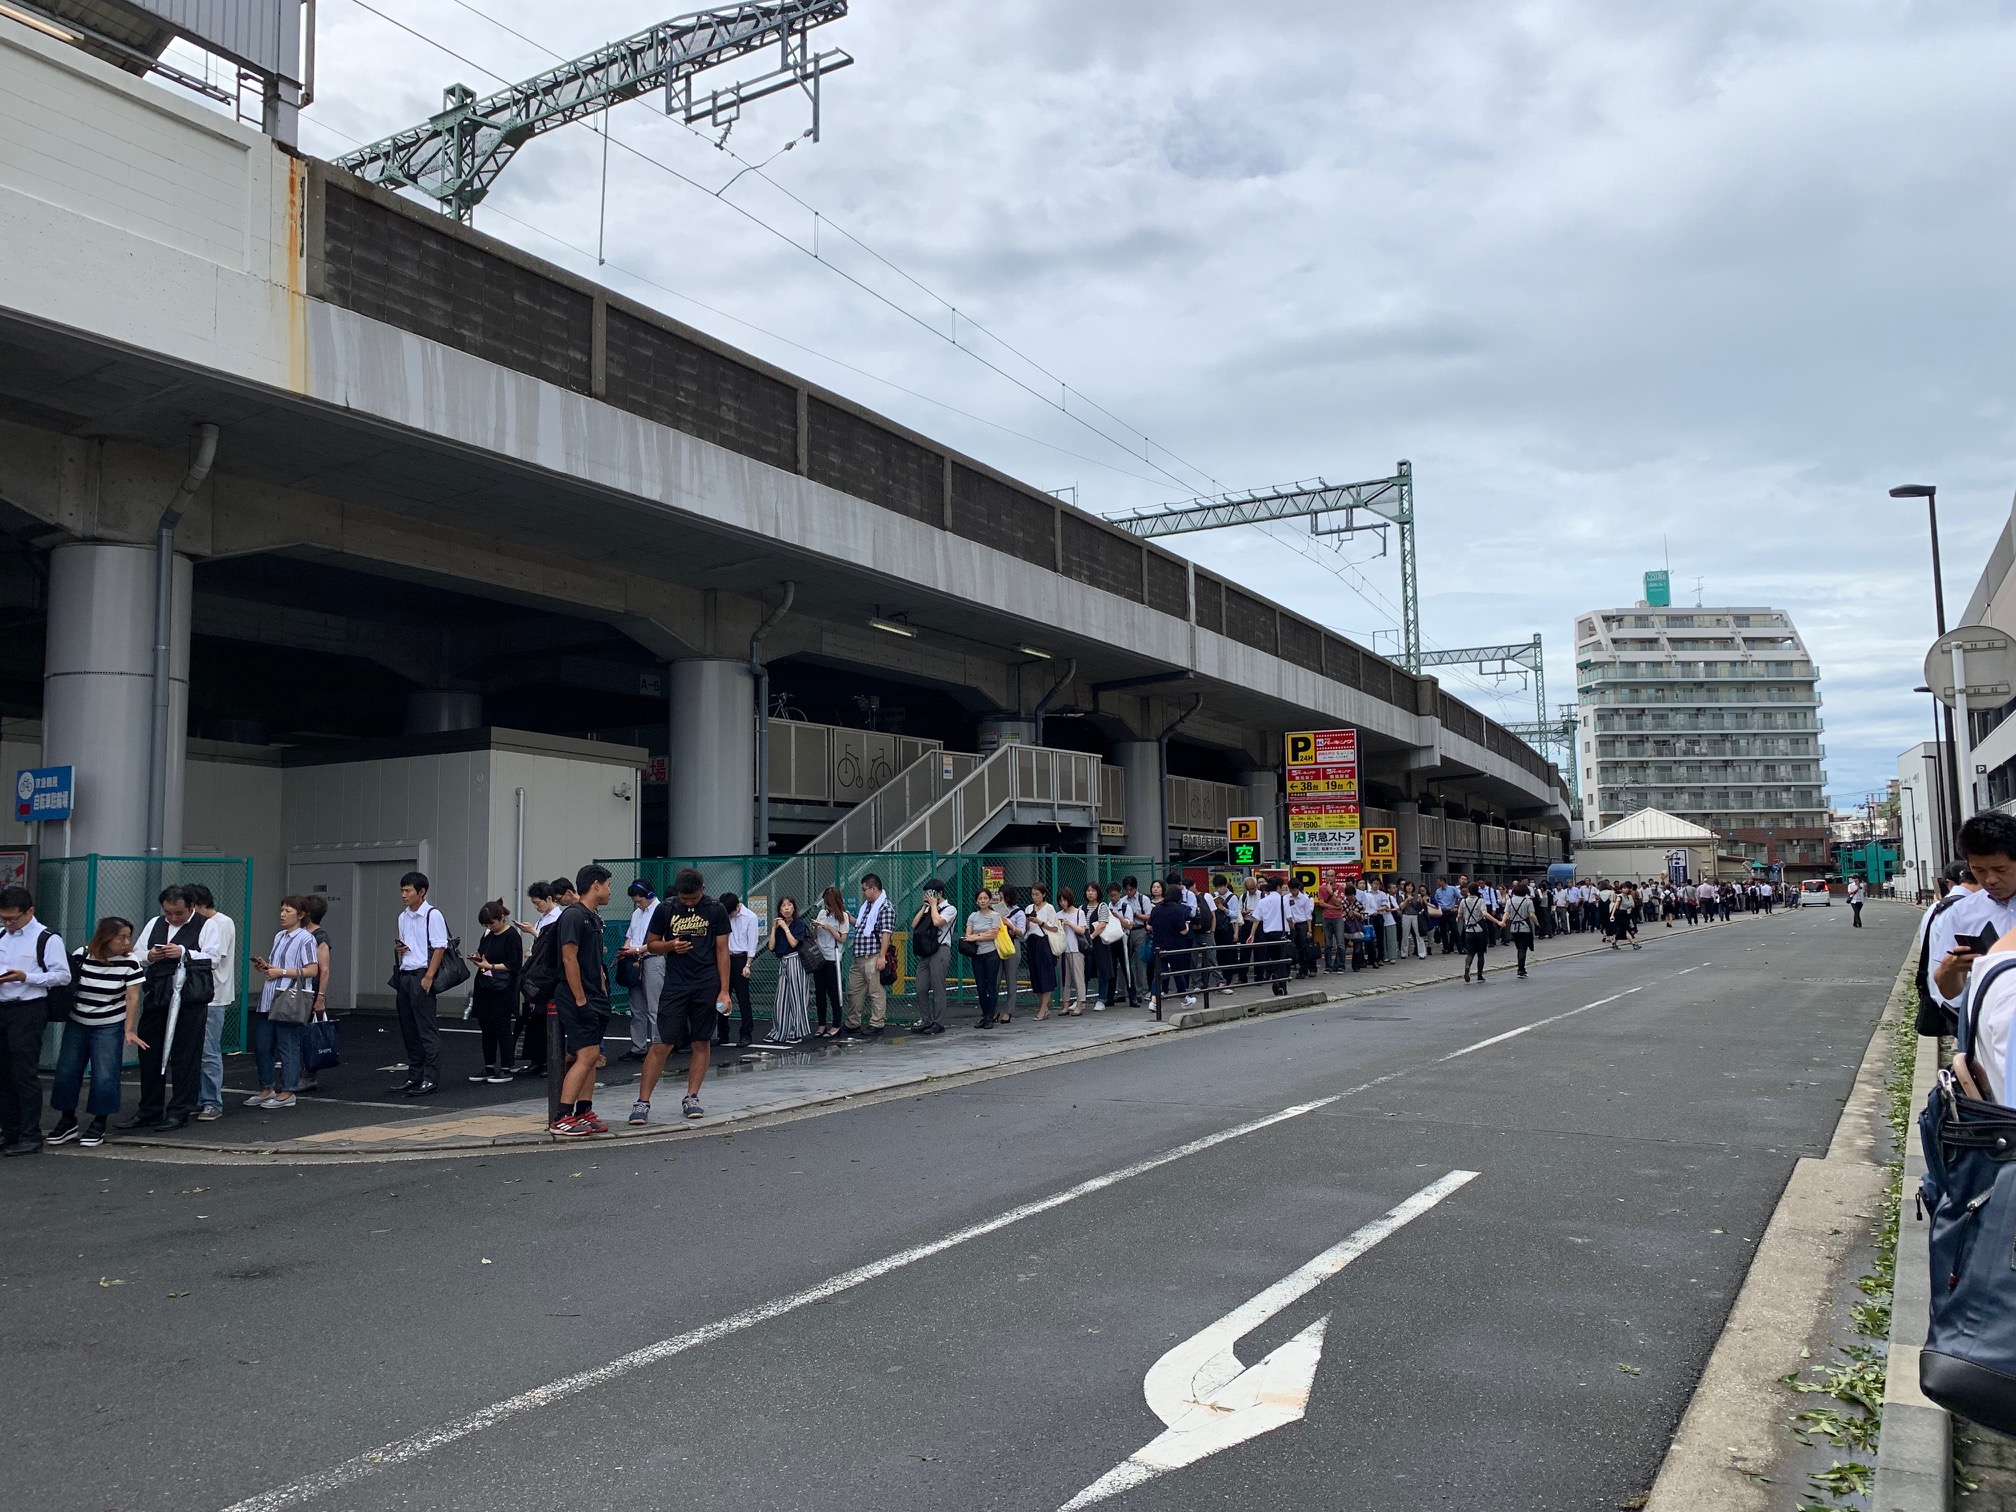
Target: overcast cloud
(1619, 279)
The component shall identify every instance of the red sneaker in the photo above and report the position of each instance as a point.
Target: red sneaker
(567, 1126)
(590, 1122)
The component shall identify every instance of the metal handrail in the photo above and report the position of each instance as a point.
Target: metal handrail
(1012, 774)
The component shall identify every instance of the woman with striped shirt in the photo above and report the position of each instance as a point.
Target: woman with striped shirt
(102, 1023)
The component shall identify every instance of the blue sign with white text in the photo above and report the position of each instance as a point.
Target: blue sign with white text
(42, 795)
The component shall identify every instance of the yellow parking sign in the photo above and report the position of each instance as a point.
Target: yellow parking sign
(1382, 850)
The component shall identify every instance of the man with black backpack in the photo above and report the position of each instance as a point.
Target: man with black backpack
(931, 955)
(1960, 935)
(33, 965)
(1954, 884)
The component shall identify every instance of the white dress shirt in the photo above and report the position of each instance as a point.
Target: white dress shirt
(1969, 916)
(640, 924)
(742, 932)
(218, 944)
(1268, 911)
(17, 953)
(1991, 1036)
(422, 931)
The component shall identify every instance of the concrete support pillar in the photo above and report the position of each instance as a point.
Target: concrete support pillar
(1407, 840)
(435, 711)
(97, 692)
(997, 730)
(712, 763)
(1147, 825)
(1263, 797)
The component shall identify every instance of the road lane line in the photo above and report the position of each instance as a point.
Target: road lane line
(1499, 1039)
(404, 1451)
(418, 1446)
(1208, 1400)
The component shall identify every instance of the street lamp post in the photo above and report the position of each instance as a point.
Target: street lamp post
(1929, 492)
(1942, 831)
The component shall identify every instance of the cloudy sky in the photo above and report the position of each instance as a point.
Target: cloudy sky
(1624, 282)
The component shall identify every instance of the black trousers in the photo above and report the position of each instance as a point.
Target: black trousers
(1271, 956)
(493, 1017)
(20, 1082)
(1522, 941)
(420, 1029)
(532, 1035)
(185, 1060)
(738, 991)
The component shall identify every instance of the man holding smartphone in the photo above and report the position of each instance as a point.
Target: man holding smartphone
(1959, 936)
(690, 931)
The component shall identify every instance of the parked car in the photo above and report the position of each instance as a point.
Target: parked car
(1813, 893)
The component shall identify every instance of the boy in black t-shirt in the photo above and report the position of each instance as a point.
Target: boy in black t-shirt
(583, 1001)
(690, 930)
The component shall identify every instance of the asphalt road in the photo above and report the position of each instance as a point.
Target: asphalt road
(201, 1337)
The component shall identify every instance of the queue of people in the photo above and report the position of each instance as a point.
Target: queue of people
(163, 992)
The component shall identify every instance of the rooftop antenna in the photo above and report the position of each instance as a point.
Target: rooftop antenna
(1697, 592)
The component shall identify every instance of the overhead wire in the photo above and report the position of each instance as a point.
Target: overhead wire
(834, 268)
(1363, 587)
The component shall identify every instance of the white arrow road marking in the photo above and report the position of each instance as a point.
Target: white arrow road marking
(1210, 1401)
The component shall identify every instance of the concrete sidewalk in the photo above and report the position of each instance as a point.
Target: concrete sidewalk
(766, 1082)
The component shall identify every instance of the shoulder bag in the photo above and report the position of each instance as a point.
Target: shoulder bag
(320, 1048)
(61, 999)
(453, 970)
(1969, 1188)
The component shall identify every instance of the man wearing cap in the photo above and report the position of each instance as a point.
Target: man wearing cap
(649, 968)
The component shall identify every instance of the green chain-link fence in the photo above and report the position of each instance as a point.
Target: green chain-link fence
(762, 881)
(72, 893)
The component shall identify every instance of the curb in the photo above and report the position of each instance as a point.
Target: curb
(1225, 1013)
(1217, 1016)
(1914, 1460)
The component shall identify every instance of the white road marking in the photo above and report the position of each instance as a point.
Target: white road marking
(1499, 1039)
(418, 1446)
(1209, 1401)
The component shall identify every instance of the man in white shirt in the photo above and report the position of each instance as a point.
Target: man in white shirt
(1271, 913)
(1133, 911)
(219, 943)
(744, 932)
(1988, 841)
(32, 960)
(1388, 915)
(1229, 917)
(173, 1012)
(421, 942)
(1300, 909)
(647, 968)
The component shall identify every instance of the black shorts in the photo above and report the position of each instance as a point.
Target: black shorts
(686, 1012)
(580, 1027)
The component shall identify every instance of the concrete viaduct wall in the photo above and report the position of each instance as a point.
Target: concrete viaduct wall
(404, 394)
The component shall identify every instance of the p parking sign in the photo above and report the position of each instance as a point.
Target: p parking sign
(1242, 841)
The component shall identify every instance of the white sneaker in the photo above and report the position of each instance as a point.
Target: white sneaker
(1189, 1002)
(257, 1099)
(281, 1100)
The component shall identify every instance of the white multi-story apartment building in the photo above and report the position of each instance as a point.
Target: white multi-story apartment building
(1709, 714)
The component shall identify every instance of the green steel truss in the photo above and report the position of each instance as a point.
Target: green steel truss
(455, 156)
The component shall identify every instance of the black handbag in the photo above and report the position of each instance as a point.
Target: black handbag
(450, 974)
(1968, 1364)
(630, 972)
(320, 1046)
(61, 999)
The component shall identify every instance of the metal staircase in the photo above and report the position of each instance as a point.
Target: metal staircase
(1018, 784)
(946, 803)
